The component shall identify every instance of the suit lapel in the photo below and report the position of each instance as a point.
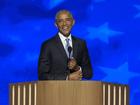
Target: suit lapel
(60, 47)
(62, 50)
(75, 46)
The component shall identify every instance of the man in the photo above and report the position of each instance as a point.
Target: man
(64, 57)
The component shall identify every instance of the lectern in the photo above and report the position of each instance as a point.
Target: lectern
(68, 93)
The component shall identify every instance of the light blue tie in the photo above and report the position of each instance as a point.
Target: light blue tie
(68, 45)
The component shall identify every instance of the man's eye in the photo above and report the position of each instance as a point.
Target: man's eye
(59, 21)
(68, 19)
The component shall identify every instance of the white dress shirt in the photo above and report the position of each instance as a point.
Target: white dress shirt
(63, 40)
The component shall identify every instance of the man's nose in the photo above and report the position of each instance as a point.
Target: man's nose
(64, 22)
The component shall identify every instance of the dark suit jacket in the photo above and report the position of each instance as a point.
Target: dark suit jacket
(53, 59)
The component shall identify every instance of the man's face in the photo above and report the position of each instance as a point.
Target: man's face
(64, 22)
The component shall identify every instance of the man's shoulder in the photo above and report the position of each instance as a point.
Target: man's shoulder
(78, 39)
(50, 40)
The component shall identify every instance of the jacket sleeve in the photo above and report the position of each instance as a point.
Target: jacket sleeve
(44, 64)
(86, 65)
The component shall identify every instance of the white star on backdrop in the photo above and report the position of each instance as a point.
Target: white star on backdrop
(102, 32)
(54, 3)
(138, 8)
(119, 75)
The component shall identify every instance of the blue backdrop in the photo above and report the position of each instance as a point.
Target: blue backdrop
(110, 27)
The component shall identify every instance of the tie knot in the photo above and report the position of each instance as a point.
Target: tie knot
(67, 40)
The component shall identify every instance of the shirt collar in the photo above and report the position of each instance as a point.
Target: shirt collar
(62, 37)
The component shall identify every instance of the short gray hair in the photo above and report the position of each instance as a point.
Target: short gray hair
(63, 11)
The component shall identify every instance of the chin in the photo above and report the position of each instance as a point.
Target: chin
(66, 33)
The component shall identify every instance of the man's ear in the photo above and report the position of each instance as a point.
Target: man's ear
(55, 24)
(73, 22)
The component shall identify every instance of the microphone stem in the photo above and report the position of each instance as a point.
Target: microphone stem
(69, 56)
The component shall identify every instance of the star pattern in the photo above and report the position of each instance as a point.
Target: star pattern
(53, 3)
(119, 75)
(102, 32)
(138, 8)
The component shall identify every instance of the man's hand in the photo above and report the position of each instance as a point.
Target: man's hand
(72, 65)
(75, 75)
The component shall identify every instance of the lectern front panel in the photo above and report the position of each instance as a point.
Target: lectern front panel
(68, 93)
(23, 94)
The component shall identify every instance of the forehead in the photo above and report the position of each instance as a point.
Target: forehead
(64, 15)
